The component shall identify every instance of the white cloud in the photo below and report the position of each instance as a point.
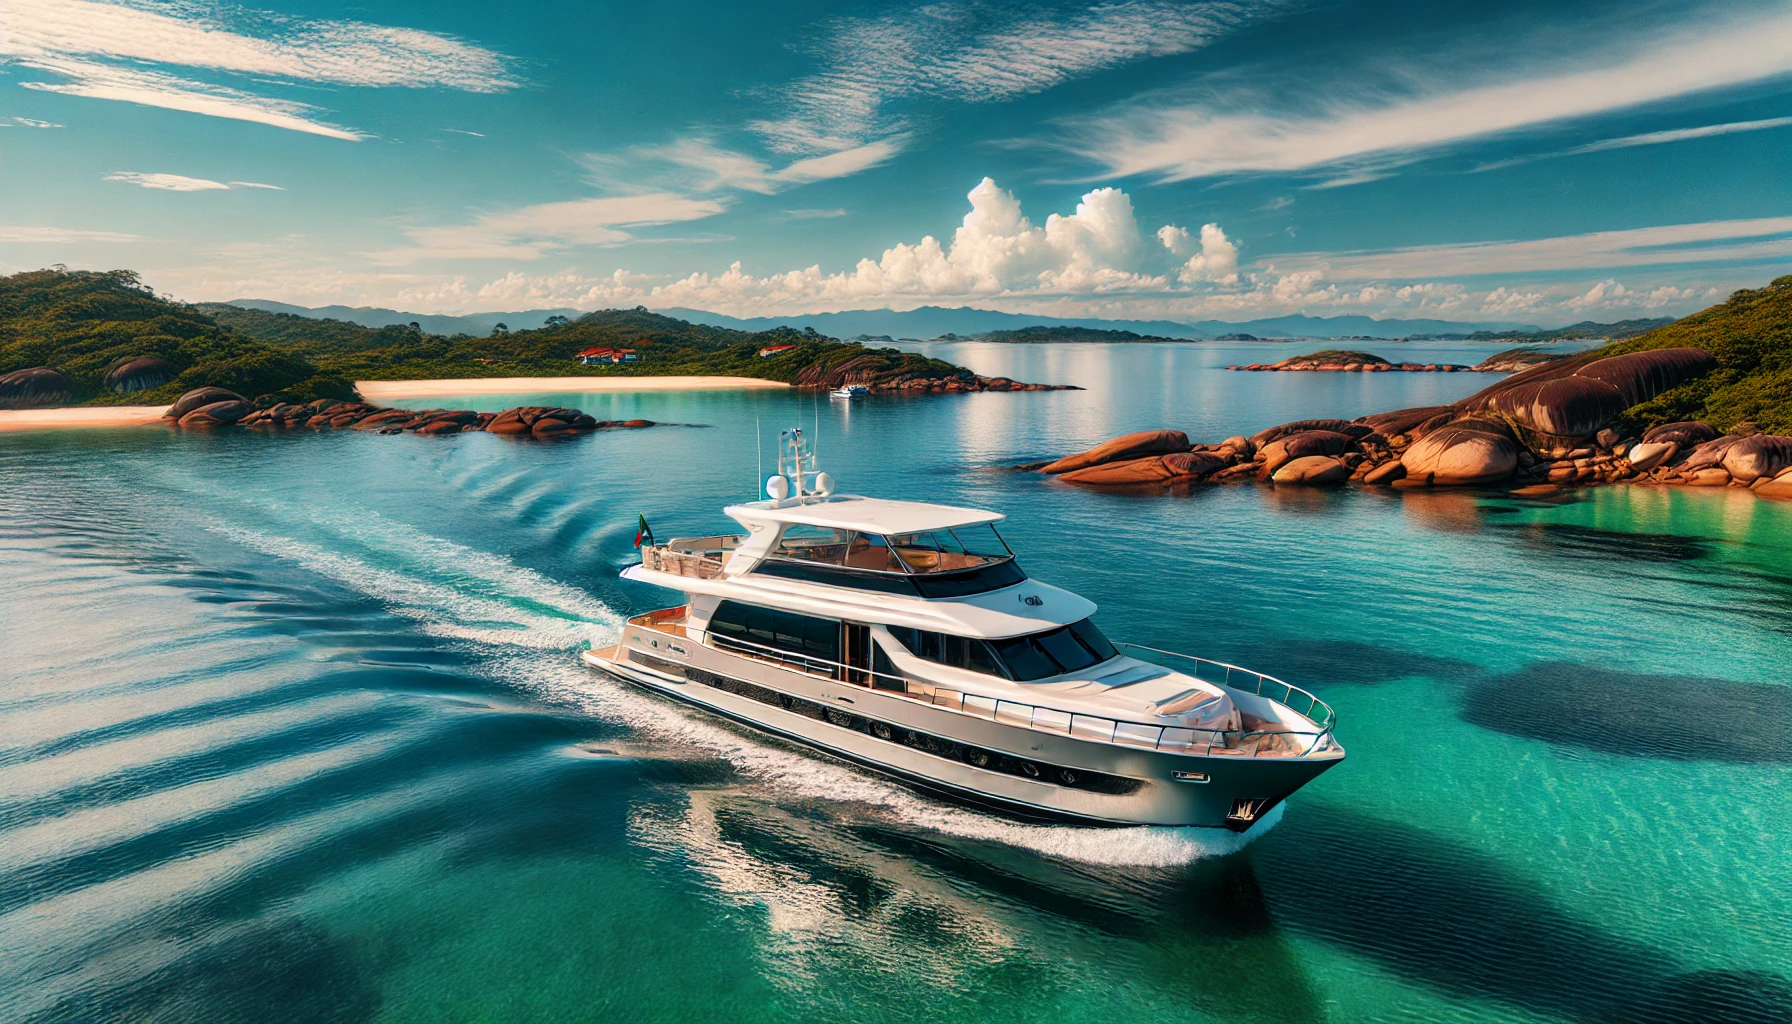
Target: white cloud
(182, 183)
(1760, 239)
(1215, 260)
(533, 232)
(62, 236)
(827, 214)
(1648, 139)
(977, 54)
(100, 50)
(713, 169)
(1178, 139)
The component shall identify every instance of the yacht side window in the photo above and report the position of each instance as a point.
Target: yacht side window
(813, 544)
(1069, 648)
(772, 627)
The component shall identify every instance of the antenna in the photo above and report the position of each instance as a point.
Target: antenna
(758, 453)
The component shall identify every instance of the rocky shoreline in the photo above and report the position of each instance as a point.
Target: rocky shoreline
(1344, 361)
(867, 371)
(1537, 433)
(216, 408)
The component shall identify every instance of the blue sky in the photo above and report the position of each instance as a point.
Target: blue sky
(1530, 161)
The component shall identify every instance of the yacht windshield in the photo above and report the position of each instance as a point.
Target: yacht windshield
(962, 547)
(1069, 648)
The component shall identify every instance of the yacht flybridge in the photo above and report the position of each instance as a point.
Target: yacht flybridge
(905, 637)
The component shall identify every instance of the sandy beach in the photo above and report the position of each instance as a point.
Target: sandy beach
(378, 390)
(86, 416)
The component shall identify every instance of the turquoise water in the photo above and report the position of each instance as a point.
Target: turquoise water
(292, 729)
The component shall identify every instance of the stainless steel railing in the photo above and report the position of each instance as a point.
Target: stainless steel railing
(1279, 742)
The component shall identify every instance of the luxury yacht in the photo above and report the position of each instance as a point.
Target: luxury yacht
(850, 391)
(905, 637)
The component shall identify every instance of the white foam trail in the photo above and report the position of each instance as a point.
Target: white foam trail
(440, 609)
(814, 778)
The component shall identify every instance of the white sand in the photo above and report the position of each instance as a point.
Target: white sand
(375, 390)
(86, 416)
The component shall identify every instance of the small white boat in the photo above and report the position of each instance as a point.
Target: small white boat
(904, 637)
(850, 391)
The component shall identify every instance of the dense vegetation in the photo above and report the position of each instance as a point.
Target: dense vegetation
(1041, 334)
(1586, 330)
(84, 324)
(1751, 337)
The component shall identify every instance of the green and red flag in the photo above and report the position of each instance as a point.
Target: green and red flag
(643, 532)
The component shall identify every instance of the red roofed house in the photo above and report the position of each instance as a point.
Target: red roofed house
(607, 356)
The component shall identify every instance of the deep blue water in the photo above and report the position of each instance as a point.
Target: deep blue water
(292, 728)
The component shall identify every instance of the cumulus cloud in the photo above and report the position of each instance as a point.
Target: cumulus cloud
(1214, 259)
(182, 183)
(110, 50)
(1180, 137)
(532, 232)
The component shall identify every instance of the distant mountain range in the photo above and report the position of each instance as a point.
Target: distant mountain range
(371, 316)
(923, 323)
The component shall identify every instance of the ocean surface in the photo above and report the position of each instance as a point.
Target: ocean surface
(292, 728)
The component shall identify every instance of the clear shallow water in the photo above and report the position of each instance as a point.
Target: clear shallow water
(291, 728)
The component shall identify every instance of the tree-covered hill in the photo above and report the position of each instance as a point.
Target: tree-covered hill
(86, 324)
(1750, 334)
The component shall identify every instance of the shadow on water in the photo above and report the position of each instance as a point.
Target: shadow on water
(1448, 917)
(1572, 541)
(1321, 661)
(1679, 718)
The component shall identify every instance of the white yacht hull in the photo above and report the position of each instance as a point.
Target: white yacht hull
(932, 748)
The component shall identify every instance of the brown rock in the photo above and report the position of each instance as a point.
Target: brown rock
(1386, 473)
(1713, 476)
(199, 397)
(217, 414)
(1648, 455)
(1313, 471)
(140, 374)
(1132, 472)
(1193, 465)
(440, 427)
(1686, 433)
(1465, 452)
(1127, 447)
(1263, 437)
(1240, 444)
(1757, 456)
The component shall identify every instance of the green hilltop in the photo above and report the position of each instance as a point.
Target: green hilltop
(1750, 335)
(85, 323)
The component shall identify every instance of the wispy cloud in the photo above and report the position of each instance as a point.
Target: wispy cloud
(1763, 239)
(100, 50)
(1647, 139)
(532, 232)
(815, 214)
(62, 236)
(711, 168)
(182, 183)
(26, 122)
(1175, 138)
(977, 54)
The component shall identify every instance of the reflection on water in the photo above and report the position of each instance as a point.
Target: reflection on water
(293, 728)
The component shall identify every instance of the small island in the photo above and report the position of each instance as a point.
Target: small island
(1333, 360)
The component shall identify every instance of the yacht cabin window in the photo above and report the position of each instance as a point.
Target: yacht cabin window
(771, 627)
(1069, 648)
(958, 562)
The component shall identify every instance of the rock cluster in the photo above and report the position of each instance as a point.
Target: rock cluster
(1355, 362)
(35, 388)
(212, 408)
(871, 371)
(140, 374)
(1541, 432)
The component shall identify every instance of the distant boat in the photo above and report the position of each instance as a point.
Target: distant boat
(850, 391)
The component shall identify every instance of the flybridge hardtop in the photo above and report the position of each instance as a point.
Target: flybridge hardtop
(904, 636)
